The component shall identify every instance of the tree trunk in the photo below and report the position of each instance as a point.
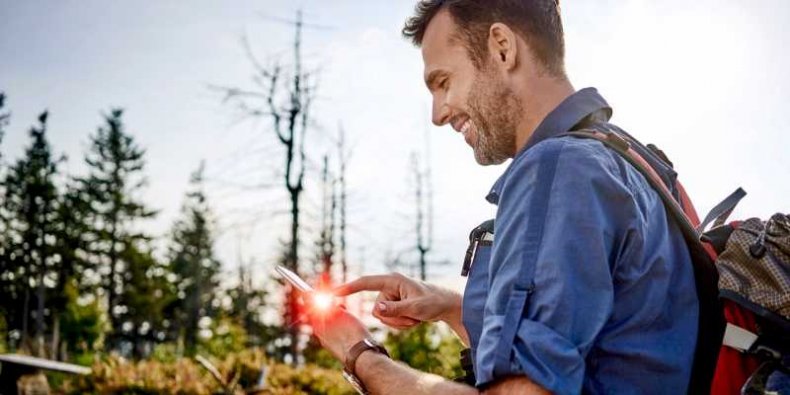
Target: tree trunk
(55, 339)
(293, 259)
(40, 295)
(25, 317)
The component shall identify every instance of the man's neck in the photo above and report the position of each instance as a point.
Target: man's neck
(540, 98)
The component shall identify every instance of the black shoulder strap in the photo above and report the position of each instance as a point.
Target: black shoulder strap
(711, 323)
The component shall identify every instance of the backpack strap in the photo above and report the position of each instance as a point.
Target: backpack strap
(722, 211)
(711, 321)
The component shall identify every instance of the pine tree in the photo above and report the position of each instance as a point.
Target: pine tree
(115, 178)
(31, 201)
(193, 262)
(144, 297)
(7, 283)
(73, 278)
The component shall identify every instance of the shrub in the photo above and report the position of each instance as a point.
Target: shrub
(115, 375)
(428, 347)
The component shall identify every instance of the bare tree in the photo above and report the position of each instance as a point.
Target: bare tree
(326, 239)
(284, 98)
(424, 213)
(344, 156)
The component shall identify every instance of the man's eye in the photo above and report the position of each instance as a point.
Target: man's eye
(445, 82)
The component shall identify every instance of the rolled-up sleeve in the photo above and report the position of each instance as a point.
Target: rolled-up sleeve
(564, 216)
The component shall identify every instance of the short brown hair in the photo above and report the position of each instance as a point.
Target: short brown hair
(538, 22)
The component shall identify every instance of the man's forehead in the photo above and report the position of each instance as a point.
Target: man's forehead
(440, 43)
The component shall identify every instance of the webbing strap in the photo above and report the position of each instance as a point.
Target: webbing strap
(738, 338)
(722, 210)
(524, 285)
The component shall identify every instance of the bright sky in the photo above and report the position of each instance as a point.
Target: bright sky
(704, 80)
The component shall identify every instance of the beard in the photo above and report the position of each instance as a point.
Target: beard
(495, 110)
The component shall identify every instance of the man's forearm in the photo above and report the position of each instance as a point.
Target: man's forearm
(382, 375)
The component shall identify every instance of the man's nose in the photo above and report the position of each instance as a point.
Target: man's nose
(440, 113)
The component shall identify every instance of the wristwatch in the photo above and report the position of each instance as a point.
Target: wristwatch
(349, 370)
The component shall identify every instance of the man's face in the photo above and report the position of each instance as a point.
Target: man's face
(476, 102)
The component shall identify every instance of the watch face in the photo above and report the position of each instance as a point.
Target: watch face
(354, 381)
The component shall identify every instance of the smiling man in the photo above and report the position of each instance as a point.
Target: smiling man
(583, 284)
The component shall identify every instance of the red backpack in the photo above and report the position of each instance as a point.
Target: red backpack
(722, 364)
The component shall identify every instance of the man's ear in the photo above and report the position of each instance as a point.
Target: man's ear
(502, 45)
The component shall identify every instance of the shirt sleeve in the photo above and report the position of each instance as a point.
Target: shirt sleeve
(564, 215)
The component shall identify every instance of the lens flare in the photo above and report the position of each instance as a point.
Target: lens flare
(323, 301)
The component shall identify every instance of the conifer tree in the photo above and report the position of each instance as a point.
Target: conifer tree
(144, 297)
(193, 262)
(31, 202)
(6, 282)
(73, 276)
(115, 178)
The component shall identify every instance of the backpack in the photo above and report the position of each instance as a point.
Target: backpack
(742, 274)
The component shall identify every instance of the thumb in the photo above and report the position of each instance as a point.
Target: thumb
(401, 308)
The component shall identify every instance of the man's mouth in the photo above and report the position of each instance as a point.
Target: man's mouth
(466, 126)
(463, 124)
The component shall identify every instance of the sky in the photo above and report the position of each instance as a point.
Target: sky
(706, 81)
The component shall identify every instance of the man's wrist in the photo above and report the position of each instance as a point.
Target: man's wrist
(454, 317)
(368, 363)
(452, 308)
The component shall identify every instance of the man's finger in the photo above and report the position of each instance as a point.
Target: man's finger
(365, 283)
(398, 323)
(395, 321)
(401, 308)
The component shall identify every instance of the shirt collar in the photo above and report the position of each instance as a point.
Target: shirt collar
(584, 106)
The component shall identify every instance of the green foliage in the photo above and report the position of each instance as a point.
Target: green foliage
(248, 303)
(427, 347)
(82, 324)
(319, 356)
(144, 296)
(29, 254)
(185, 376)
(221, 338)
(193, 263)
(114, 180)
(3, 333)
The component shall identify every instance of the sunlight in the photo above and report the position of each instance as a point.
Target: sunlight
(323, 301)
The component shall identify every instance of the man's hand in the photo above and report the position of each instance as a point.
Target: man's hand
(337, 330)
(404, 302)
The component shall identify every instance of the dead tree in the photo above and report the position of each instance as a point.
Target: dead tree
(424, 213)
(326, 240)
(343, 156)
(284, 98)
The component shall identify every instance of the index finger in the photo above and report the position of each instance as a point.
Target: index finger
(365, 283)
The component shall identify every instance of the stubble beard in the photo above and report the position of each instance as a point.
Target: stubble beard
(495, 111)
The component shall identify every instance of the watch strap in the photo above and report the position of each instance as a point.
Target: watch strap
(357, 349)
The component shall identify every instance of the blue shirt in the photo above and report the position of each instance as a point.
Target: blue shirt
(590, 285)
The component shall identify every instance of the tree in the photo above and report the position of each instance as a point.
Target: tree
(70, 227)
(115, 177)
(286, 100)
(7, 283)
(31, 202)
(326, 238)
(248, 304)
(193, 262)
(143, 299)
(424, 213)
(343, 156)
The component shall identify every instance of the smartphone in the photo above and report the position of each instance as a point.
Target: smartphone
(294, 279)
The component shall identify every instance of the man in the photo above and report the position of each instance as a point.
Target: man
(589, 286)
